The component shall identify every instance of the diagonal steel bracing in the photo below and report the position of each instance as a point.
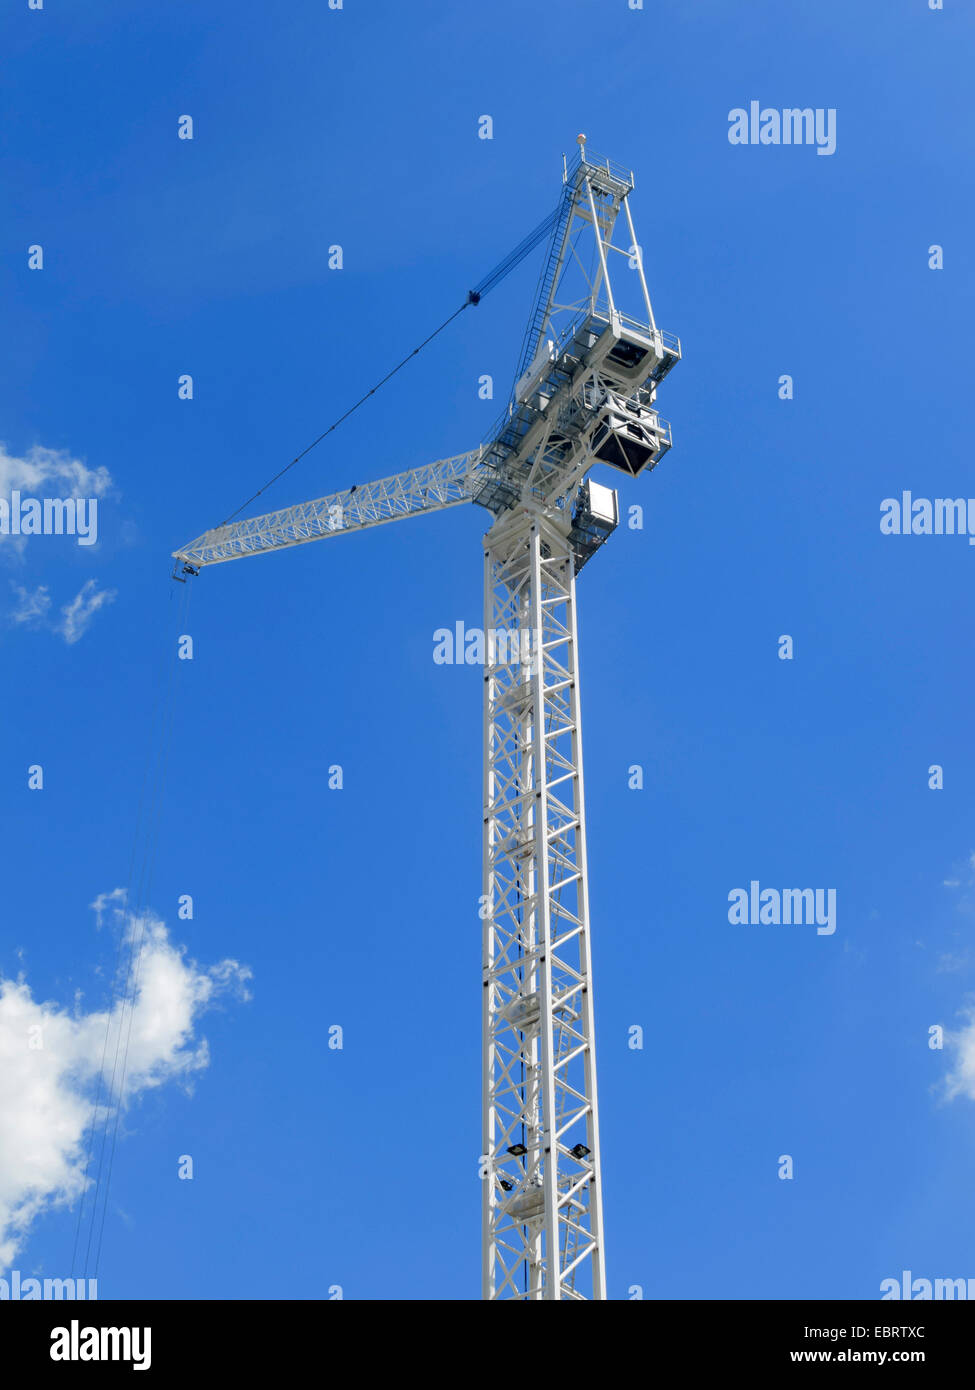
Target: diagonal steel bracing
(542, 1209)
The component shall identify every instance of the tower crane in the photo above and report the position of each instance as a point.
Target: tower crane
(584, 394)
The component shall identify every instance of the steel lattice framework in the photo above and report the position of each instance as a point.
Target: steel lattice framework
(585, 394)
(432, 487)
(542, 1205)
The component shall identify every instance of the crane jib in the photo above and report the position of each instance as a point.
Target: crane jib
(474, 296)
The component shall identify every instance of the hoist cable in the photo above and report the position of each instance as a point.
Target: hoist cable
(146, 824)
(138, 949)
(474, 296)
(138, 916)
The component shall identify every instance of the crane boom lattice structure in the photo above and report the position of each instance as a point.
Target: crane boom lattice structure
(584, 394)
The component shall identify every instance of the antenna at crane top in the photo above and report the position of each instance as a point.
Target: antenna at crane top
(584, 394)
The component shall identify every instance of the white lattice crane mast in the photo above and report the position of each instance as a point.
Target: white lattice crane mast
(585, 394)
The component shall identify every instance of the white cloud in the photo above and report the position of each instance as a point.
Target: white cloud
(117, 895)
(47, 1091)
(44, 473)
(32, 605)
(47, 472)
(961, 1079)
(962, 883)
(954, 960)
(40, 466)
(76, 615)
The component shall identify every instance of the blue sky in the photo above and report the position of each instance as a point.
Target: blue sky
(316, 1167)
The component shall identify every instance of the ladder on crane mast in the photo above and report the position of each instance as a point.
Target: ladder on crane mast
(584, 394)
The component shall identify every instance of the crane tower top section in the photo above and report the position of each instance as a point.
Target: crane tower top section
(591, 360)
(592, 356)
